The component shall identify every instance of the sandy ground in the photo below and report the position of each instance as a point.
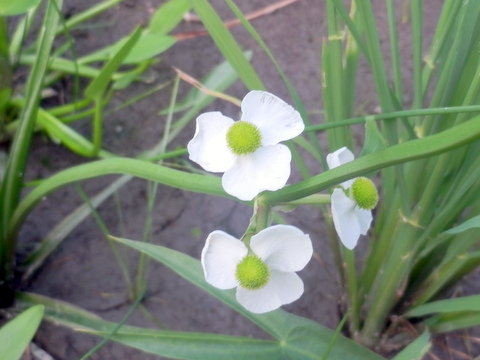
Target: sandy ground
(83, 270)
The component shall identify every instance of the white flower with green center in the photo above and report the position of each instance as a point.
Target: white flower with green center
(352, 203)
(248, 151)
(263, 274)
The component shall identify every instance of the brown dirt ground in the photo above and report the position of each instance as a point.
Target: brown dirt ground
(83, 270)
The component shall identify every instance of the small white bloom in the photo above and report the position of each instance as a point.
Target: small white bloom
(349, 219)
(265, 277)
(248, 151)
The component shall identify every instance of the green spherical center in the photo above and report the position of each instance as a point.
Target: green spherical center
(243, 138)
(364, 193)
(252, 273)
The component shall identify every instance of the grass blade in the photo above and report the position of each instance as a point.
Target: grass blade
(227, 44)
(12, 182)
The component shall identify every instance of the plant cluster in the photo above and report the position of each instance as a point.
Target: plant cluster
(409, 195)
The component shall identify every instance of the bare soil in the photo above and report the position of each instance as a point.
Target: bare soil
(84, 272)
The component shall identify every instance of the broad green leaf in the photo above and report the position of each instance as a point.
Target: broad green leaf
(98, 86)
(16, 7)
(227, 44)
(17, 333)
(301, 338)
(147, 46)
(168, 16)
(467, 225)
(467, 303)
(417, 349)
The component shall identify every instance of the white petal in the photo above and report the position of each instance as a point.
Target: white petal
(283, 288)
(209, 147)
(276, 120)
(283, 247)
(268, 168)
(345, 218)
(364, 219)
(220, 256)
(340, 157)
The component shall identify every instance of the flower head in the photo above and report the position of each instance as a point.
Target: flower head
(352, 203)
(248, 151)
(264, 275)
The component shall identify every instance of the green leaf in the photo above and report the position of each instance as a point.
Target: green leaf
(467, 225)
(147, 46)
(168, 16)
(11, 186)
(98, 86)
(16, 7)
(301, 338)
(66, 135)
(453, 321)
(374, 140)
(467, 303)
(17, 333)
(416, 349)
(196, 346)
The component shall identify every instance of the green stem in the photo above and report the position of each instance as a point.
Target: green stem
(6, 73)
(395, 51)
(143, 261)
(417, 53)
(352, 292)
(397, 114)
(397, 154)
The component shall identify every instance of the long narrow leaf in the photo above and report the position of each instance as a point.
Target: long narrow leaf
(417, 349)
(467, 303)
(98, 86)
(227, 45)
(13, 178)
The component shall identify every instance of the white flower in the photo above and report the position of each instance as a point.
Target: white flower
(265, 276)
(248, 151)
(349, 219)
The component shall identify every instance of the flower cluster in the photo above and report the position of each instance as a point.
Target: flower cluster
(248, 151)
(263, 268)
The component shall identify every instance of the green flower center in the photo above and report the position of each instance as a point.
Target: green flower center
(243, 138)
(364, 193)
(252, 273)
